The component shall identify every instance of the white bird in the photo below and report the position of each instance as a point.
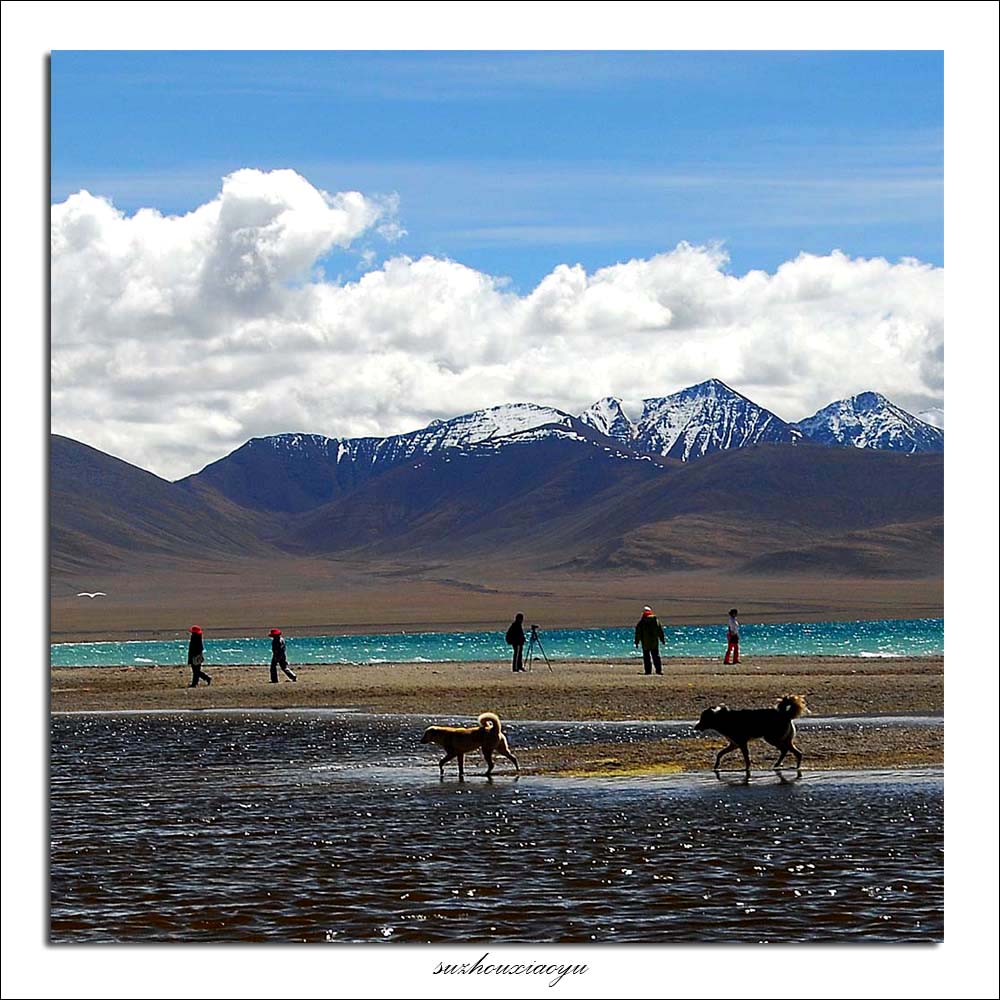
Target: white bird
(96, 593)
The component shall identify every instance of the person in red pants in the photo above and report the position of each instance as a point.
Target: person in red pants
(732, 638)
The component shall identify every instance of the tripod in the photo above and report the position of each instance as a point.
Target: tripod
(533, 641)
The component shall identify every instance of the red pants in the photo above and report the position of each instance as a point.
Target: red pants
(732, 648)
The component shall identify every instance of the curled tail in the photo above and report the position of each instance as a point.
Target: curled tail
(792, 705)
(490, 720)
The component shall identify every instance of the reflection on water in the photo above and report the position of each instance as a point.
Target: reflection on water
(326, 826)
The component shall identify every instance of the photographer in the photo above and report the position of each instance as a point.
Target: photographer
(515, 638)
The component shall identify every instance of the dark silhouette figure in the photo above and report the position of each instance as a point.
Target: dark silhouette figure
(196, 657)
(515, 638)
(649, 634)
(278, 657)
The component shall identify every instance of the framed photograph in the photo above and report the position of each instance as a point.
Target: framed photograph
(496, 503)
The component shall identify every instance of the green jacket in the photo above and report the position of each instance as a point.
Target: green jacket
(649, 632)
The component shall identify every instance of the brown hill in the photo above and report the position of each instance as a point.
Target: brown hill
(552, 504)
(105, 513)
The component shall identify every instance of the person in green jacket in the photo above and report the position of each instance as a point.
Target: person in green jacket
(649, 633)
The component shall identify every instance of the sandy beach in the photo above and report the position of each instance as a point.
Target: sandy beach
(571, 690)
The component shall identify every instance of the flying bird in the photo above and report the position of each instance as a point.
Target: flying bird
(96, 593)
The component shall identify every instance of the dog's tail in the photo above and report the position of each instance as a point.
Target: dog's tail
(490, 720)
(792, 705)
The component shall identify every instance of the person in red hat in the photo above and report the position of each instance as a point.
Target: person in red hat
(278, 656)
(196, 657)
(649, 633)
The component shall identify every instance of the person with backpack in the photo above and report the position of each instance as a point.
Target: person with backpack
(515, 638)
(649, 634)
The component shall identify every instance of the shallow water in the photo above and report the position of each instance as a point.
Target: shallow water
(881, 638)
(310, 825)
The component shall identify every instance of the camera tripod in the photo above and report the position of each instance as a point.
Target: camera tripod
(535, 640)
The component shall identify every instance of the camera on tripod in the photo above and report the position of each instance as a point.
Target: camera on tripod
(535, 641)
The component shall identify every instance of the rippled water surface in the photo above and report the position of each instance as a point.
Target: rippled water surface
(292, 826)
(880, 638)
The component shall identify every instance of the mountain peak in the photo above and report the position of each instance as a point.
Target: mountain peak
(706, 418)
(608, 417)
(869, 420)
(868, 400)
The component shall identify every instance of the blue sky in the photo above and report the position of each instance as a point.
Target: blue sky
(701, 194)
(513, 163)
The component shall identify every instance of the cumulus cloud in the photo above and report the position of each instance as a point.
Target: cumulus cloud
(176, 338)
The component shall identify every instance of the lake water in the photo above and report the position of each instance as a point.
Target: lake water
(880, 638)
(334, 826)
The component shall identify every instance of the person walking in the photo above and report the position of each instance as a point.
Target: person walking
(649, 634)
(196, 657)
(733, 637)
(278, 657)
(515, 638)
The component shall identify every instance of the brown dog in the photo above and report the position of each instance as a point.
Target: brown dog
(773, 725)
(457, 741)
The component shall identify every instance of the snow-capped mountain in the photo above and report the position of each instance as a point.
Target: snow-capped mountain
(608, 417)
(297, 472)
(702, 419)
(869, 420)
(292, 472)
(491, 425)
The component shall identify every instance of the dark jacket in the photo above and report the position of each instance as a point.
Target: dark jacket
(515, 634)
(649, 632)
(278, 648)
(196, 647)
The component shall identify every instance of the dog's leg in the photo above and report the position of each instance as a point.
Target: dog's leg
(444, 760)
(746, 758)
(722, 753)
(488, 755)
(461, 767)
(504, 751)
(784, 745)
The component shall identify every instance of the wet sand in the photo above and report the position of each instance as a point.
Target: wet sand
(571, 690)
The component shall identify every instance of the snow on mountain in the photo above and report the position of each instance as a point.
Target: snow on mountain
(485, 425)
(869, 420)
(298, 471)
(608, 417)
(495, 424)
(706, 418)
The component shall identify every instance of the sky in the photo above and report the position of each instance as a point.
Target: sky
(246, 243)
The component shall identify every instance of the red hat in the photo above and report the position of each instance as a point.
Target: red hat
(275, 631)
(196, 629)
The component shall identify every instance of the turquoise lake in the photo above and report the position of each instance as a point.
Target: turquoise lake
(879, 638)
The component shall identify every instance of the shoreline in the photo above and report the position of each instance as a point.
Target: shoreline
(864, 690)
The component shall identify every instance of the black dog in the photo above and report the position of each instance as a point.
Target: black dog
(773, 725)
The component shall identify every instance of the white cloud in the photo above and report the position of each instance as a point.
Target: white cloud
(174, 339)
